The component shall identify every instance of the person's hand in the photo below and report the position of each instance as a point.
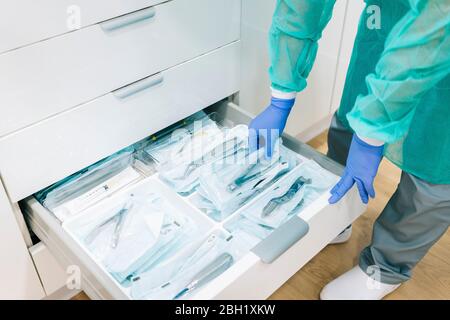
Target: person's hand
(362, 165)
(265, 129)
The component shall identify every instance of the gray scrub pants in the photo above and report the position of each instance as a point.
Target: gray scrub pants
(414, 219)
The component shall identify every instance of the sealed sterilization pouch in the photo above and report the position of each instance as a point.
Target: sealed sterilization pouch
(227, 185)
(171, 145)
(88, 186)
(290, 196)
(321, 181)
(304, 185)
(249, 230)
(135, 235)
(281, 201)
(154, 151)
(202, 148)
(180, 277)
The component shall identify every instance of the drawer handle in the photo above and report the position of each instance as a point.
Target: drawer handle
(280, 240)
(139, 86)
(128, 19)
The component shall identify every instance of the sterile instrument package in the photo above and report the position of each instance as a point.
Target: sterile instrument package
(135, 234)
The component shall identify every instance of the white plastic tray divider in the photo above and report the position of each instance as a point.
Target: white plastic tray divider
(150, 184)
(183, 204)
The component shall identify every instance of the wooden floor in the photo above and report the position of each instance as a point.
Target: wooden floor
(431, 278)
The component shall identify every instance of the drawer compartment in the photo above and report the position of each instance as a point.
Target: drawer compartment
(23, 22)
(265, 266)
(64, 144)
(52, 76)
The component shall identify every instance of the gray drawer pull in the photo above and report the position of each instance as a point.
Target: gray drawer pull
(139, 86)
(128, 19)
(280, 240)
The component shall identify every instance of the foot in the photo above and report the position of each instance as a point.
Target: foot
(344, 236)
(356, 285)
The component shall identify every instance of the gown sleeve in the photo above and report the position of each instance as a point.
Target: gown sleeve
(416, 57)
(297, 26)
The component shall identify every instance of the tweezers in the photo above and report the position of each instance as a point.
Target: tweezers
(119, 224)
(119, 216)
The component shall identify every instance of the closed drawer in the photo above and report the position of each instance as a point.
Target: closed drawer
(52, 76)
(52, 276)
(48, 151)
(266, 267)
(23, 22)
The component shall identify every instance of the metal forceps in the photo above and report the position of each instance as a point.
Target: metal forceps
(119, 219)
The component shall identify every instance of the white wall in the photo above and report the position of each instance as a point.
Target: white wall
(354, 10)
(315, 104)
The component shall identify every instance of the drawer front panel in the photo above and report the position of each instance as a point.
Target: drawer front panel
(52, 275)
(42, 154)
(52, 76)
(23, 22)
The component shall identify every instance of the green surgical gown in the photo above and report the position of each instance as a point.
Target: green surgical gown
(398, 82)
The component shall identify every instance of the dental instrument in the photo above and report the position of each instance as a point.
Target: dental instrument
(274, 176)
(245, 177)
(208, 273)
(121, 215)
(96, 231)
(211, 155)
(286, 197)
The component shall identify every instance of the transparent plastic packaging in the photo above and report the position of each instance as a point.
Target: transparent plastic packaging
(88, 186)
(179, 278)
(136, 235)
(283, 200)
(321, 181)
(83, 189)
(251, 231)
(166, 147)
(160, 247)
(227, 185)
(202, 148)
(152, 152)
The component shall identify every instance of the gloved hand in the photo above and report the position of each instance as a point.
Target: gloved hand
(362, 165)
(268, 126)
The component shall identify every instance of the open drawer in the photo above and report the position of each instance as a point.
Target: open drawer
(256, 272)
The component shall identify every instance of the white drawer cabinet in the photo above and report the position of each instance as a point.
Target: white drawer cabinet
(265, 267)
(23, 22)
(55, 148)
(49, 77)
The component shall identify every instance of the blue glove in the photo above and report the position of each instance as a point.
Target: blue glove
(268, 126)
(362, 165)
